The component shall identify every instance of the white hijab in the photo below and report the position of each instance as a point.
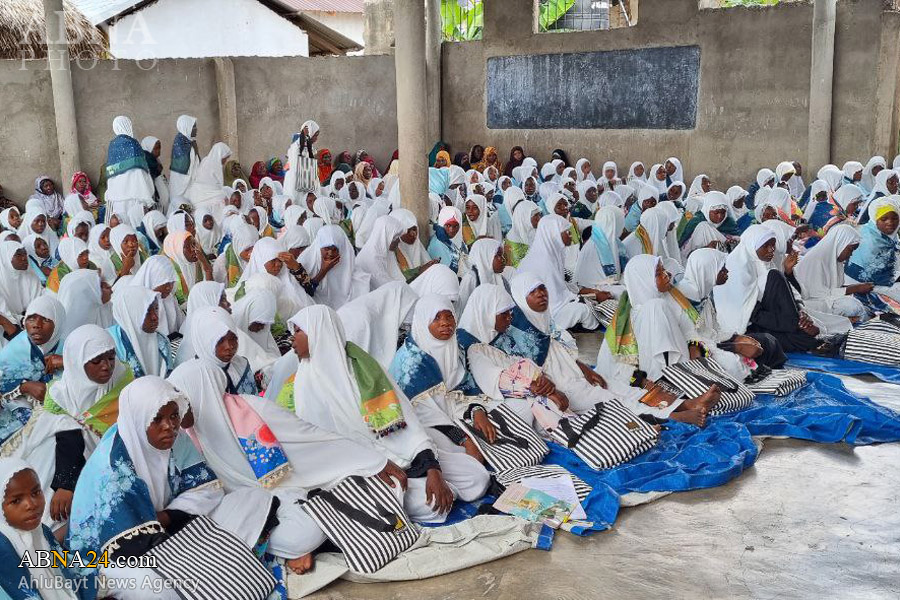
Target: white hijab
(547, 258)
(415, 253)
(29, 541)
(700, 272)
(609, 220)
(373, 320)
(267, 249)
(485, 303)
(117, 237)
(344, 282)
(49, 308)
(81, 296)
(438, 279)
(130, 306)
(523, 231)
(258, 346)
(74, 392)
(204, 294)
(444, 352)
(158, 271)
(747, 276)
(70, 249)
(819, 273)
(376, 258)
(330, 397)
(139, 403)
(19, 288)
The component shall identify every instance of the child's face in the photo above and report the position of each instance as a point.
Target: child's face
(23, 501)
(47, 186)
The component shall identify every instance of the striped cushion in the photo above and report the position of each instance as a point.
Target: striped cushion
(218, 565)
(780, 382)
(694, 377)
(604, 311)
(516, 475)
(879, 326)
(517, 444)
(364, 519)
(606, 436)
(872, 346)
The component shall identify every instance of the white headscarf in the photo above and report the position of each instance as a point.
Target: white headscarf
(376, 258)
(819, 273)
(139, 403)
(117, 237)
(74, 392)
(256, 307)
(523, 231)
(19, 288)
(330, 396)
(415, 253)
(82, 217)
(868, 179)
(733, 194)
(203, 295)
(438, 279)
(610, 221)
(444, 352)
(344, 282)
(25, 228)
(267, 249)
(747, 276)
(485, 303)
(678, 175)
(294, 236)
(207, 183)
(130, 306)
(546, 257)
(700, 272)
(80, 295)
(522, 285)
(24, 541)
(373, 320)
(480, 226)
(49, 308)
(158, 271)
(70, 249)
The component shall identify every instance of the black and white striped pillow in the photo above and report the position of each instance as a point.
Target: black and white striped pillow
(211, 564)
(780, 382)
(875, 347)
(365, 520)
(606, 436)
(879, 326)
(516, 475)
(517, 444)
(694, 377)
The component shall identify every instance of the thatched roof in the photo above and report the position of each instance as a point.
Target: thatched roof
(22, 33)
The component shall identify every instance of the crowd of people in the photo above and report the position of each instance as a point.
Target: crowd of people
(199, 341)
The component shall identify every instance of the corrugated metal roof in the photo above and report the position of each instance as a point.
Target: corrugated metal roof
(100, 11)
(347, 6)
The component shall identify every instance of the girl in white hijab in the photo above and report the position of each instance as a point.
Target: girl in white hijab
(524, 216)
(707, 233)
(330, 397)
(35, 221)
(204, 294)
(546, 258)
(430, 370)
(411, 254)
(21, 532)
(100, 256)
(158, 275)
(267, 258)
(76, 402)
(135, 331)
(85, 296)
(160, 183)
(821, 274)
(314, 458)
(118, 236)
(217, 342)
(377, 258)
(209, 232)
(634, 176)
(602, 258)
(438, 279)
(254, 315)
(155, 227)
(875, 165)
(651, 237)
(331, 262)
(487, 265)
(134, 186)
(373, 320)
(20, 286)
(205, 190)
(180, 180)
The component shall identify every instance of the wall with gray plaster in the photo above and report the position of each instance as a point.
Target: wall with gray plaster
(754, 85)
(352, 98)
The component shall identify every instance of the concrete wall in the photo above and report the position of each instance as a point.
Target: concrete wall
(352, 98)
(754, 85)
(194, 28)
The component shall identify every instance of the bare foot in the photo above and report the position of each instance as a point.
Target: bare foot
(692, 416)
(301, 565)
(705, 401)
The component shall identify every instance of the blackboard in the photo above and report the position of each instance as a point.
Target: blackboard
(646, 88)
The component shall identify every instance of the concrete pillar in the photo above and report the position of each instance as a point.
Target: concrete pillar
(228, 126)
(409, 60)
(63, 95)
(433, 67)
(821, 78)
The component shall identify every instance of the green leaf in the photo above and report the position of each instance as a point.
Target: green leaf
(551, 11)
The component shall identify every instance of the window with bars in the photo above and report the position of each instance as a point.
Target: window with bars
(462, 20)
(585, 15)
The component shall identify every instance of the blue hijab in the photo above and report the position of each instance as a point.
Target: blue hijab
(875, 260)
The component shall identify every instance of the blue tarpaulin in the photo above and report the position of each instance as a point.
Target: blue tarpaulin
(839, 366)
(688, 458)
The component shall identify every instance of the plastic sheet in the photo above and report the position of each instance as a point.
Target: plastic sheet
(838, 366)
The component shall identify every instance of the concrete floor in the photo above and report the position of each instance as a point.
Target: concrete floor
(807, 521)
